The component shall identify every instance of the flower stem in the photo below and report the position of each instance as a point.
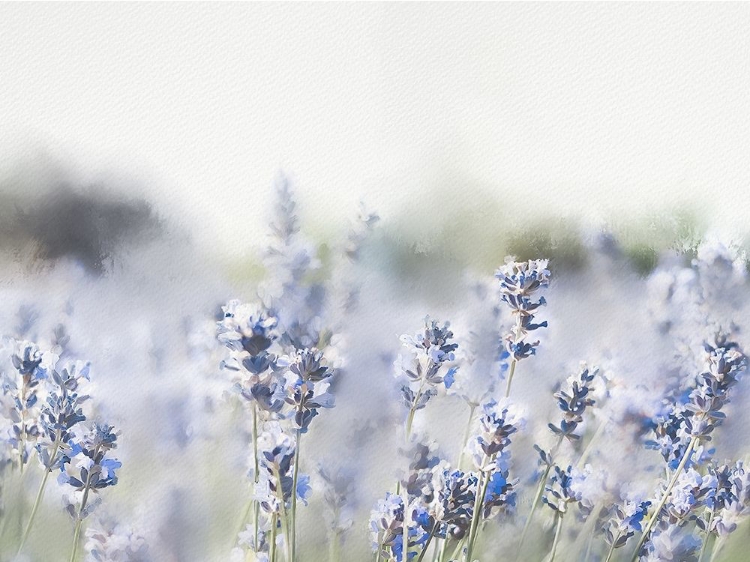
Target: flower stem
(510, 377)
(272, 546)
(652, 521)
(482, 483)
(76, 536)
(40, 493)
(427, 543)
(718, 545)
(612, 548)
(79, 518)
(559, 517)
(537, 496)
(589, 445)
(256, 475)
(466, 435)
(706, 538)
(295, 474)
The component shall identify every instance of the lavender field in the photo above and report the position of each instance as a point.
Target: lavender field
(360, 399)
(374, 282)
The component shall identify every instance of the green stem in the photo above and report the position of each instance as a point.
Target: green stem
(40, 493)
(612, 548)
(427, 544)
(272, 546)
(333, 554)
(79, 519)
(537, 496)
(707, 537)
(440, 554)
(589, 446)
(559, 517)
(76, 536)
(510, 377)
(718, 545)
(466, 435)
(293, 531)
(284, 515)
(256, 475)
(652, 521)
(482, 484)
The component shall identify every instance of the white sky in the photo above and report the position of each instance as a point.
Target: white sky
(587, 108)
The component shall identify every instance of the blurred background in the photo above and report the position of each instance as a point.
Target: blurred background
(140, 147)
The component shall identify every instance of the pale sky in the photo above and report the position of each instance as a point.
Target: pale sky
(589, 109)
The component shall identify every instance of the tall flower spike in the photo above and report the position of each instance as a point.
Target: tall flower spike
(519, 281)
(573, 403)
(87, 467)
(691, 426)
(307, 386)
(422, 370)
(625, 521)
(22, 390)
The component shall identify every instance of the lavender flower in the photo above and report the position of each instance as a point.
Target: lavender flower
(61, 413)
(387, 529)
(87, 467)
(22, 391)
(112, 542)
(625, 521)
(573, 404)
(430, 351)
(564, 491)
(519, 281)
(453, 503)
(307, 387)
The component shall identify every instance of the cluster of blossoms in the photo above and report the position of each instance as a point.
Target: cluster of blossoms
(44, 410)
(691, 492)
(437, 502)
(284, 388)
(423, 370)
(280, 353)
(623, 522)
(21, 405)
(573, 402)
(111, 542)
(519, 281)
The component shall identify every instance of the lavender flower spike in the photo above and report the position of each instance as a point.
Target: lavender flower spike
(519, 281)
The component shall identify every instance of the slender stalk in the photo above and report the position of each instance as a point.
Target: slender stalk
(456, 550)
(76, 536)
(284, 514)
(427, 544)
(589, 445)
(79, 519)
(472, 409)
(407, 434)
(256, 476)
(510, 377)
(295, 474)
(718, 545)
(559, 518)
(612, 548)
(40, 493)
(22, 437)
(482, 484)
(537, 496)
(333, 553)
(272, 546)
(652, 521)
(440, 554)
(707, 537)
